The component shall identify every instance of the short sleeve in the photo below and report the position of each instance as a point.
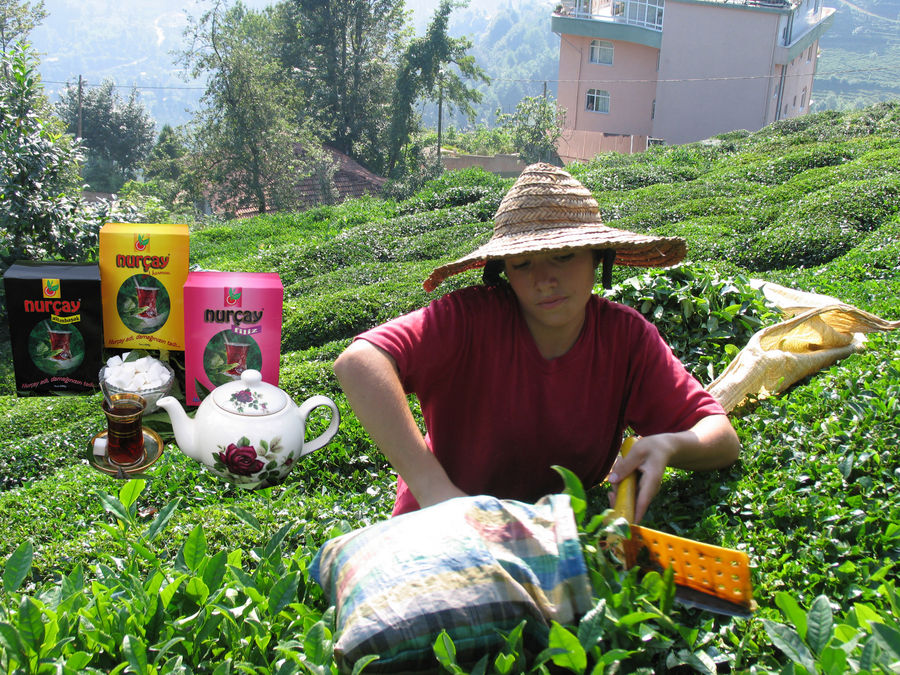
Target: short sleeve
(664, 396)
(423, 343)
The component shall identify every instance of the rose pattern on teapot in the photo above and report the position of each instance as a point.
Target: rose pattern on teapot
(245, 400)
(244, 462)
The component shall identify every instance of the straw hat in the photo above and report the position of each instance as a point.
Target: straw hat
(546, 210)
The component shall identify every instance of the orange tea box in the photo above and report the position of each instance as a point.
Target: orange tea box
(142, 273)
(233, 320)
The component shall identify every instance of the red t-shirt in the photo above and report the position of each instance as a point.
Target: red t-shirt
(498, 414)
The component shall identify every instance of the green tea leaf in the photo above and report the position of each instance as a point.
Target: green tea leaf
(77, 662)
(168, 592)
(575, 490)
(593, 625)
(504, 663)
(792, 612)
(888, 639)
(136, 652)
(361, 663)
(317, 644)
(865, 615)
(162, 518)
(18, 565)
(114, 506)
(194, 549)
(833, 660)
(283, 592)
(788, 641)
(131, 491)
(574, 657)
(246, 516)
(445, 651)
(820, 624)
(273, 546)
(196, 590)
(215, 569)
(31, 625)
(9, 638)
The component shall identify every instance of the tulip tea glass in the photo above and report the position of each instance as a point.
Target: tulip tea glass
(125, 435)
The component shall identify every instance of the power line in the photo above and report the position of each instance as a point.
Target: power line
(125, 86)
(818, 75)
(704, 79)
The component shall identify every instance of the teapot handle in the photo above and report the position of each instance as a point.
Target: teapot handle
(325, 437)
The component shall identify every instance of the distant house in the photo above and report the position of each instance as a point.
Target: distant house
(351, 180)
(635, 72)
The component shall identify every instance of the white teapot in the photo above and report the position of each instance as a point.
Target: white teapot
(248, 432)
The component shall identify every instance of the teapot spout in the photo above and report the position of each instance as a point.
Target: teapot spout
(182, 426)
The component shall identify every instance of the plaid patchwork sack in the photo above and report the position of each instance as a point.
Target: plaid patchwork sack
(473, 566)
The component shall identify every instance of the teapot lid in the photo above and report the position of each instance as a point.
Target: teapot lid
(250, 396)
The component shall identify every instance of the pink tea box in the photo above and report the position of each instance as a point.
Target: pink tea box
(232, 322)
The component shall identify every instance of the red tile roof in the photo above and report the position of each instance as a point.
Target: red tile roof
(351, 180)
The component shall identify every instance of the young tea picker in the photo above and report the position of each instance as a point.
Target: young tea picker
(517, 375)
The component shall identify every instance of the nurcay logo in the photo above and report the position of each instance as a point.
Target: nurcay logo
(50, 288)
(140, 242)
(233, 296)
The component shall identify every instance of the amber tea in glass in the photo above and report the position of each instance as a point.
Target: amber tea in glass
(146, 300)
(60, 343)
(236, 353)
(125, 435)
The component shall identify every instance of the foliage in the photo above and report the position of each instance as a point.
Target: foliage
(535, 128)
(39, 217)
(116, 134)
(704, 318)
(151, 614)
(423, 70)
(17, 19)
(481, 140)
(342, 58)
(814, 499)
(167, 169)
(249, 144)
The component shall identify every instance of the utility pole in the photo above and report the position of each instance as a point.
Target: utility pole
(79, 107)
(440, 111)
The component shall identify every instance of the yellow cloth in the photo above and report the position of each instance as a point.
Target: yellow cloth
(819, 331)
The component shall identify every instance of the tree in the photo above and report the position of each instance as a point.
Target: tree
(117, 134)
(342, 56)
(424, 72)
(17, 19)
(166, 167)
(39, 217)
(248, 131)
(535, 128)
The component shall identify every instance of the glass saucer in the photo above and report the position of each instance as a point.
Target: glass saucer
(153, 450)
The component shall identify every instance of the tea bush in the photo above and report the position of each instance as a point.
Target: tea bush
(458, 188)
(184, 573)
(705, 319)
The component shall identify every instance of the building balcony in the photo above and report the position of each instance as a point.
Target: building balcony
(641, 13)
(639, 21)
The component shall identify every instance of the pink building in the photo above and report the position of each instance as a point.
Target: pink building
(633, 72)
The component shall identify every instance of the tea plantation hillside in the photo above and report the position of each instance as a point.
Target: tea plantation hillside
(184, 573)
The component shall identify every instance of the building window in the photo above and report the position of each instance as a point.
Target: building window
(653, 110)
(794, 104)
(602, 52)
(803, 98)
(598, 100)
(809, 54)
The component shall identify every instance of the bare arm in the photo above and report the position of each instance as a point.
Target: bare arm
(709, 444)
(369, 378)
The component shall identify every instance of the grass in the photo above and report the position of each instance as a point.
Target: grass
(810, 203)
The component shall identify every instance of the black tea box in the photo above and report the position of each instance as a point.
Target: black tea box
(55, 326)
